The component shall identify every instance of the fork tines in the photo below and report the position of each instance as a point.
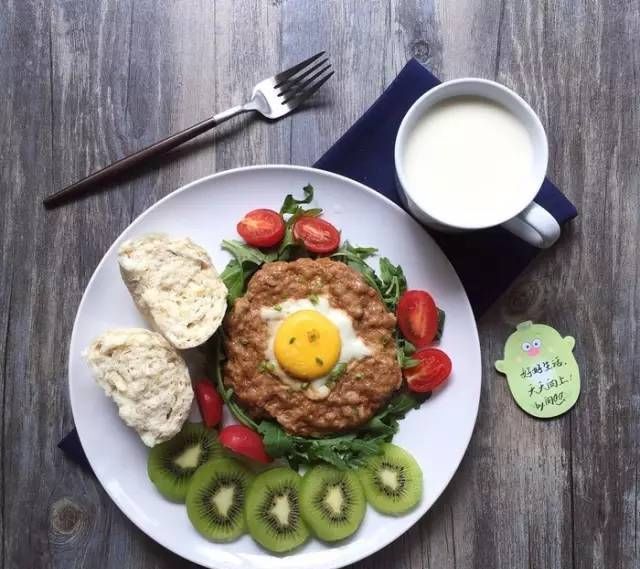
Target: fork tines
(304, 79)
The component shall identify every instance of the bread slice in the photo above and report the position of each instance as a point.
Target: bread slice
(146, 377)
(176, 287)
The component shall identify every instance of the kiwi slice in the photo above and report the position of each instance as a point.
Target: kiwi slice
(216, 498)
(392, 481)
(172, 464)
(332, 502)
(273, 510)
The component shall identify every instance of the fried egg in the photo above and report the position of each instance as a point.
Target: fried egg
(309, 341)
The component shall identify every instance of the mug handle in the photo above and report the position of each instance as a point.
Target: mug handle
(535, 225)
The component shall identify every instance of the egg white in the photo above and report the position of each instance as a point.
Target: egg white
(352, 346)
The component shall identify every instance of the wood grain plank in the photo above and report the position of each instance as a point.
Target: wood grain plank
(25, 151)
(453, 39)
(520, 467)
(88, 84)
(596, 157)
(120, 73)
(247, 50)
(341, 28)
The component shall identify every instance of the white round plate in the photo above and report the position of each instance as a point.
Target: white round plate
(207, 211)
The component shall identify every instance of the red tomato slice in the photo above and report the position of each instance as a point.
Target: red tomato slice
(318, 235)
(242, 440)
(433, 368)
(261, 228)
(209, 402)
(418, 317)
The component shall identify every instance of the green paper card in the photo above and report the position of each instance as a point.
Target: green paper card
(542, 373)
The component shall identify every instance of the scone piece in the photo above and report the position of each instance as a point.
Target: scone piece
(147, 379)
(176, 287)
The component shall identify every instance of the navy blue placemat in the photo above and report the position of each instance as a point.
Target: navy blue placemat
(487, 261)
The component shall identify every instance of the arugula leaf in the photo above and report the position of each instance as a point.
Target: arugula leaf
(291, 204)
(355, 257)
(390, 284)
(247, 260)
(354, 253)
(291, 248)
(227, 394)
(233, 278)
(399, 406)
(404, 351)
(393, 283)
(245, 254)
(277, 442)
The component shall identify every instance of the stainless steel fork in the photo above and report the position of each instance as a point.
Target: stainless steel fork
(273, 98)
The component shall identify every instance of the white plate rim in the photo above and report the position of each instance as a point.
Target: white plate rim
(392, 536)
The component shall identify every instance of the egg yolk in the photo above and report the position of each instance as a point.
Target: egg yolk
(307, 345)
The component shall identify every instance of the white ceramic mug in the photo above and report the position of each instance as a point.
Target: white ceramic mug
(528, 220)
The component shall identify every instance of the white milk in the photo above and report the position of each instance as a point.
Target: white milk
(467, 160)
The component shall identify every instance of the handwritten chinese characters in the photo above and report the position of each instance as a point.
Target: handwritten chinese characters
(541, 370)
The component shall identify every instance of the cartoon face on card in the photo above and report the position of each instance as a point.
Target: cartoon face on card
(542, 373)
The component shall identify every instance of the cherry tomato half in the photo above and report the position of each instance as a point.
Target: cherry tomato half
(318, 235)
(433, 368)
(242, 440)
(418, 317)
(209, 402)
(261, 228)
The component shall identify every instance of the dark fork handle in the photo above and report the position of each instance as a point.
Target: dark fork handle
(129, 162)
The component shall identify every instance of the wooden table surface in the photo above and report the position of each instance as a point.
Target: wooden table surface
(84, 83)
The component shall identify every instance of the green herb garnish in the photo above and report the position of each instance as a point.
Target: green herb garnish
(314, 299)
(277, 307)
(338, 371)
(292, 340)
(266, 367)
(319, 361)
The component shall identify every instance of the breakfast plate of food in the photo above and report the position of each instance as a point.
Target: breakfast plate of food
(274, 366)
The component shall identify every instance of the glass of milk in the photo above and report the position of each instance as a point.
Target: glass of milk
(472, 154)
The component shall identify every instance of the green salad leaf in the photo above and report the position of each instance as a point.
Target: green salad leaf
(216, 360)
(355, 257)
(292, 205)
(404, 351)
(246, 261)
(290, 248)
(386, 421)
(390, 284)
